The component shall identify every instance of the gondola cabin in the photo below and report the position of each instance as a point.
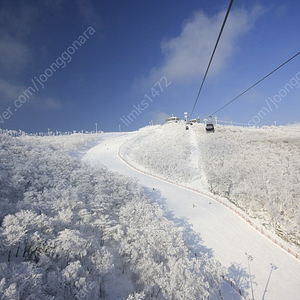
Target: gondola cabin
(210, 127)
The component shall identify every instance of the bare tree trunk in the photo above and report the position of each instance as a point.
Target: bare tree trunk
(8, 257)
(17, 253)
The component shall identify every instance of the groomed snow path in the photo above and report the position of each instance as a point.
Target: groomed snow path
(275, 273)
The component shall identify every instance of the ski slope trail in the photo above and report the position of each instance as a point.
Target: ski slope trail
(196, 160)
(274, 272)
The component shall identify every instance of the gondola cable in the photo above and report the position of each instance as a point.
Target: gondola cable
(252, 86)
(213, 53)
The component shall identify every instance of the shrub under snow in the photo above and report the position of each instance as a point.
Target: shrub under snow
(257, 169)
(69, 231)
(163, 150)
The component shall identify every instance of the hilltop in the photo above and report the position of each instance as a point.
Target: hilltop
(257, 169)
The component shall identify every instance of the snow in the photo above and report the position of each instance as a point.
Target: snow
(222, 233)
(86, 232)
(257, 169)
(82, 218)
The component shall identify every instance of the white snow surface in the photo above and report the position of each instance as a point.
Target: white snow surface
(224, 234)
(76, 224)
(258, 169)
(73, 231)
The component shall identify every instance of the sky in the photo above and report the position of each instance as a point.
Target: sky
(69, 65)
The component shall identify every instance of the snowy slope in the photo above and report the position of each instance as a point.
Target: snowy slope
(71, 231)
(220, 232)
(259, 171)
(256, 169)
(146, 148)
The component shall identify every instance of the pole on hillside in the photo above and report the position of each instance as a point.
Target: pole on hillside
(250, 258)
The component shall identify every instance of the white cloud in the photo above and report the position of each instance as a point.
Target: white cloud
(47, 104)
(14, 55)
(186, 56)
(9, 92)
(16, 28)
(88, 13)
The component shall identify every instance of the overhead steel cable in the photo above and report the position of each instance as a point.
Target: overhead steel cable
(252, 86)
(223, 25)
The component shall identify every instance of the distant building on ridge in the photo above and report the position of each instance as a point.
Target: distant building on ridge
(197, 120)
(172, 119)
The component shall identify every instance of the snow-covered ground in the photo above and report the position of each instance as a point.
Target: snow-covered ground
(222, 233)
(259, 171)
(256, 169)
(63, 215)
(74, 231)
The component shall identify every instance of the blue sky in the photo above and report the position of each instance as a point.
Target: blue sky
(66, 65)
